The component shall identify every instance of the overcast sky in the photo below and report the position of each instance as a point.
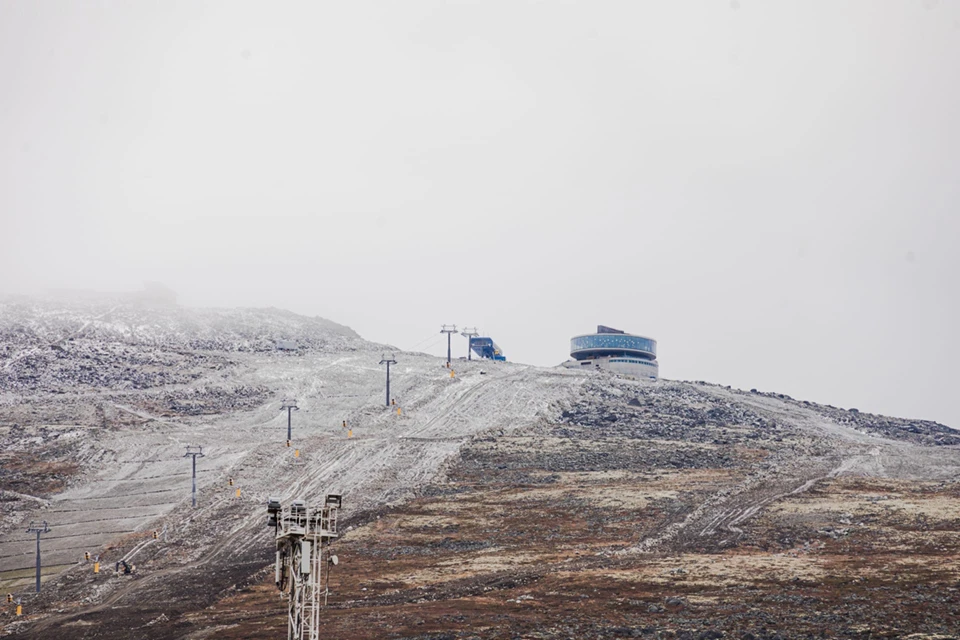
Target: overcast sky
(769, 189)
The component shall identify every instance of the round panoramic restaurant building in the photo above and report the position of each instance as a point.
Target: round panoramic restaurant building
(617, 351)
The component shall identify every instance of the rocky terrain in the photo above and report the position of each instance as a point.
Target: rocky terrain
(664, 510)
(503, 501)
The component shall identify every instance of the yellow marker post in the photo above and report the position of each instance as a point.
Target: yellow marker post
(350, 433)
(96, 567)
(238, 492)
(398, 410)
(19, 609)
(453, 373)
(296, 453)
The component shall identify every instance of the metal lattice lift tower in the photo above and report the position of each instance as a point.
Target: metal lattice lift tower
(39, 530)
(388, 359)
(289, 406)
(469, 334)
(302, 571)
(448, 329)
(194, 452)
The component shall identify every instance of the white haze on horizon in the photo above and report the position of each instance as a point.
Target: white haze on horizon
(770, 190)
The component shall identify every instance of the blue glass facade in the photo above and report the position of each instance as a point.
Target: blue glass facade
(612, 344)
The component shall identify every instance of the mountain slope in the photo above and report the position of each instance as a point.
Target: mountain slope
(525, 474)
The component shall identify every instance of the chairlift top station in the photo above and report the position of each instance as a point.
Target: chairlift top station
(486, 348)
(483, 346)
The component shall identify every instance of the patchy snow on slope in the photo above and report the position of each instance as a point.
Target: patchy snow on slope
(118, 392)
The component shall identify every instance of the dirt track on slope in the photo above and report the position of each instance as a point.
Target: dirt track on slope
(578, 483)
(223, 541)
(485, 556)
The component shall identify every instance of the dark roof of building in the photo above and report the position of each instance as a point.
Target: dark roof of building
(603, 329)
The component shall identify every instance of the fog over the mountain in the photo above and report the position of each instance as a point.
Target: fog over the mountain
(768, 189)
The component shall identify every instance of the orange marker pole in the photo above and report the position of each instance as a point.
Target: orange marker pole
(238, 492)
(296, 453)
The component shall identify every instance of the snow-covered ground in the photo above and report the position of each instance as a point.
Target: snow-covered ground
(120, 392)
(137, 478)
